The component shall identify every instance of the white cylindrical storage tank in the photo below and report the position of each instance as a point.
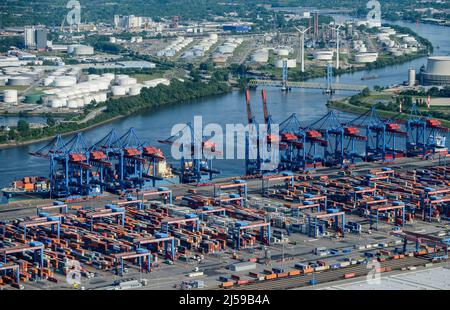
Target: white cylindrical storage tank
(72, 104)
(127, 81)
(48, 81)
(109, 76)
(83, 50)
(20, 81)
(291, 63)
(80, 102)
(366, 57)
(323, 55)
(103, 97)
(103, 85)
(226, 49)
(260, 56)
(119, 90)
(411, 77)
(135, 90)
(87, 99)
(10, 96)
(213, 36)
(94, 87)
(64, 81)
(282, 52)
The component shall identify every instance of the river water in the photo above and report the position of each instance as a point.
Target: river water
(230, 108)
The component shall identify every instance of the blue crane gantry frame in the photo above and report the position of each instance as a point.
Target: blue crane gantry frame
(252, 161)
(422, 134)
(429, 199)
(49, 221)
(199, 161)
(159, 238)
(314, 218)
(161, 191)
(419, 239)
(381, 143)
(375, 211)
(37, 248)
(113, 211)
(292, 145)
(165, 223)
(4, 268)
(286, 177)
(239, 185)
(140, 254)
(62, 208)
(264, 231)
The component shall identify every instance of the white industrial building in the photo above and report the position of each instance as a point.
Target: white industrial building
(437, 72)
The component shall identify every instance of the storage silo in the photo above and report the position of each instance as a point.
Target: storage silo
(10, 96)
(411, 77)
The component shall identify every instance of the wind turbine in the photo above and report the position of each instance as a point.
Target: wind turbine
(337, 44)
(302, 45)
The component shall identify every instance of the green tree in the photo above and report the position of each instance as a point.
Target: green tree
(23, 127)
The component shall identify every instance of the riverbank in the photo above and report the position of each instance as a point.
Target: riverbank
(346, 106)
(178, 92)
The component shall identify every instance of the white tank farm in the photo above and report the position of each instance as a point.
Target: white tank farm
(64, 81)
(10, 96)
(323, 55)
(119, 90)
(366, 57)
(291, 63)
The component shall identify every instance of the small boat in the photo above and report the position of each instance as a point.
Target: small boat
(369, 77)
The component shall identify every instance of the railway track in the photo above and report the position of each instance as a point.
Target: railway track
(329, 275)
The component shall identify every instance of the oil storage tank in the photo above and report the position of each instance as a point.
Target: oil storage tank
(438, 71)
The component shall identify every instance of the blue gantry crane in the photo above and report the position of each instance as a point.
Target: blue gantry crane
(252, 145)
(69, 166)
(292, 144)
(113, 164)
(425, 135)
(382, 136)
(199, 163)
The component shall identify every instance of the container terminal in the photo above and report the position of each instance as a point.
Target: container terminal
(344, 195)
(276, 231)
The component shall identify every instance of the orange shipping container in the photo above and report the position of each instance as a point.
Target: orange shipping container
(349, 275)
(294, 272)
(227, 284)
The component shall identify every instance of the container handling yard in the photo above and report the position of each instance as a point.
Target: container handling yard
(345, 195)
